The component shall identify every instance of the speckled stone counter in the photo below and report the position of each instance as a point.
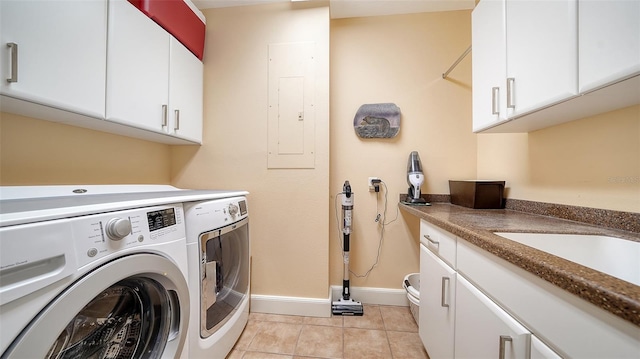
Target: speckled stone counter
(477, 226)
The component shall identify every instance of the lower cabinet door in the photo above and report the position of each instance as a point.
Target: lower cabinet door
(540, 350)
(437, 305)
(483, 329)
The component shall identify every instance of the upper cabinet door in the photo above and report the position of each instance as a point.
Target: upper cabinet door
(542, 53)
(137, 69)
(609, 42)
(489, 64)
(57, 54)
(185, 93)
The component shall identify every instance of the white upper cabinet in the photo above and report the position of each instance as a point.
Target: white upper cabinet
(541, 63)
(153, 81)
(185, 93)
(81, 62)
(489, 66)
(137, 69)
(609, 42)
(524, 57)
(542, 54)
(53, 53)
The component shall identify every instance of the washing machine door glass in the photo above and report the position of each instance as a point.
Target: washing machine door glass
(225, 274)
(127, 320)
(135, 306)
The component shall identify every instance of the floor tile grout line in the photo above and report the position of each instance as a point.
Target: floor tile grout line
(295, 347)
(304, 322)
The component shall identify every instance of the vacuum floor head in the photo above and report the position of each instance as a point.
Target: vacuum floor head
(347, 307)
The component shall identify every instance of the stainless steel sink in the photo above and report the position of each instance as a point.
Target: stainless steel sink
(614, 256)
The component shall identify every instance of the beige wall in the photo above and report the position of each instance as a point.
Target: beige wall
(397, 59)
(288, 207)
(36, 152)
(592, 162)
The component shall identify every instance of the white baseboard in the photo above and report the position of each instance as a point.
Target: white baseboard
(321, 307)
(272, 304)
(378, 296)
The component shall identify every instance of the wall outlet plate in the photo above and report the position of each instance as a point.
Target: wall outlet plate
(371, 187)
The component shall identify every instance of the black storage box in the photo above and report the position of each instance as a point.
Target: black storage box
(477, 194)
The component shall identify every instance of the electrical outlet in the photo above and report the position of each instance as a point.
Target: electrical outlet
(371, 187)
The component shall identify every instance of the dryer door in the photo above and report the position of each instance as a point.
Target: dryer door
(133, 307)
(225, 274)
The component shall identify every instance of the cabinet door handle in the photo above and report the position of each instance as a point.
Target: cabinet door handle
(495, 93)
(510, 92)
(445, 281)
(164, 115)
(177, 125)
(13, 51)
(427, 237)
(503, 341)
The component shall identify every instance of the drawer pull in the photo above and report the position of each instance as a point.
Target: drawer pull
(164, 115)
(427, 237)
(495, 93)
(503, 341)
(445, 281)
(13, 57)
(510, 92)
(176, 127)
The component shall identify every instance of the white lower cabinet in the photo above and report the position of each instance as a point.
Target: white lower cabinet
(478, 305)
(573, 327)
(437, 305)
(539, 350)
(461, 319)
(484, 330)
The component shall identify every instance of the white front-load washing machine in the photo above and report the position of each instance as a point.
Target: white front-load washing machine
(93, 276)
(218, 249)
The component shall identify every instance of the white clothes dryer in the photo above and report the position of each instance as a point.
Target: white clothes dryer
(218, 249)
(97, 276)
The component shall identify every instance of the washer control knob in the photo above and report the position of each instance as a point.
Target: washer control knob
(118, 228)
(233, 209)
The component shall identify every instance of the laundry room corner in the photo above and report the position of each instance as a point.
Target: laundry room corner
(368, 66)
(289, 231)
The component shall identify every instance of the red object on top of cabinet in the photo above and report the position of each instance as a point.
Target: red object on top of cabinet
(178, 19)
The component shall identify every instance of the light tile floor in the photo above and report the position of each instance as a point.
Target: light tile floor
(385, 332)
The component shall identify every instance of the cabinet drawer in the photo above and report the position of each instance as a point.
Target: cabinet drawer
(440, 242)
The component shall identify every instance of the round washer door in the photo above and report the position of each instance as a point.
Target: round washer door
(133, 307)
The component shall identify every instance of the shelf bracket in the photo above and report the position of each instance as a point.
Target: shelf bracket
(466, 52)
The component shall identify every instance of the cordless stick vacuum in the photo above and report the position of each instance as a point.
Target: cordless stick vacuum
(346, 305)
(415, 178)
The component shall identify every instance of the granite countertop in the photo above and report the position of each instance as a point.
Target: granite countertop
(476, 226)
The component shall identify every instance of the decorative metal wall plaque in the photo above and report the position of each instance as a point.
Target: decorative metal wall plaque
(378, 120)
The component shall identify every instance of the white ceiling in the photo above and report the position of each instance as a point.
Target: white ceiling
(359, 8)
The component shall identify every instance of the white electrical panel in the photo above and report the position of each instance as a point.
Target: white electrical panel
(291, 115)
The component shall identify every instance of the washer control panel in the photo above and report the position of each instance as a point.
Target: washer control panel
(99, 235)
(208, 215)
